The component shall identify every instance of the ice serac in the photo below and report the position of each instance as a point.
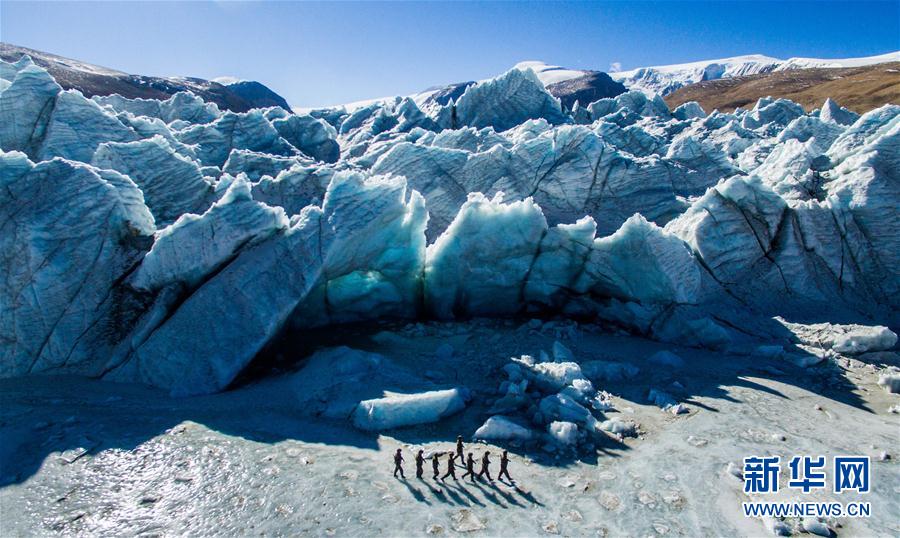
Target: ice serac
(25, 106)
(77, 126)
(642, 262)
(833, 112)
(69, 235)
(269, 281)
(295, 188)
(480, 264)
(570, 171)
(172, 183)
(374, 265)
(689, 111)
(312, 136)
(256, 165)
(866, 188)
(196, 245)
(248, 130)
(732, 229)
(182, 107)
(564, 253)
(772, 114)
(189, 354)
(507, 101)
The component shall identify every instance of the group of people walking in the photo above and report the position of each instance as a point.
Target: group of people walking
(451, 464)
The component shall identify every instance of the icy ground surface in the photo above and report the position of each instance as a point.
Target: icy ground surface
(85, 456)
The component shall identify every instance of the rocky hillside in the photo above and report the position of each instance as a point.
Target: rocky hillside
(860, 89)
(94, 80)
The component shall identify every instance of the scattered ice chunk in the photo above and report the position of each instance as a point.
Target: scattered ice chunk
(466, 521)
(553, 376)
(860, 339)
(564, 433)
(814, 526)
(562, 407)
(777, 527)
(602, 401)
(666, 402)
(849, 339)
(617, 426)
(580, 389)
(735, 470)
(408, 409)
(500, 428)
(890, 381)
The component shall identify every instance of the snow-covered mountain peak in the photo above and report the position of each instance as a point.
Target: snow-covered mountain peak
(550, 74)
(665, 79)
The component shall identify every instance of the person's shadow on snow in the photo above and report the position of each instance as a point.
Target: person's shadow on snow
(464, 491)
(489, 495)
(416, 492)
(509, 498)
(492, 497)
(527, 495)
(438, 493)
(457, 499)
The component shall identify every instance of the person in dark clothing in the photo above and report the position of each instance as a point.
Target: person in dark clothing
(470, 468)
(434, 465)
(420, 461)
(451, 467)
(459, 449)
(398, 467)
(504, 463)
(485, 463)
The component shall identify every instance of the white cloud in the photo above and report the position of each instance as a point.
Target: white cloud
(615, 67)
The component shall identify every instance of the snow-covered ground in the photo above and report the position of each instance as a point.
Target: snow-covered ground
(99, 458)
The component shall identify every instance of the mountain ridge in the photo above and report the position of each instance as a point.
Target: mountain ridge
(92, 80)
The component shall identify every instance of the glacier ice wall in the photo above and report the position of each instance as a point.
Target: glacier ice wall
(168, 242)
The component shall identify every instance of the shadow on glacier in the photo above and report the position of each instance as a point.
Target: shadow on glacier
(48, 420)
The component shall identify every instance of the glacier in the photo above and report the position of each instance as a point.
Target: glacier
(171, 243)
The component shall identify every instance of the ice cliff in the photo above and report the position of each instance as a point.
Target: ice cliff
(168, 242)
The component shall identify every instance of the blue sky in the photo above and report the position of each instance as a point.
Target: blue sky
(330, 53)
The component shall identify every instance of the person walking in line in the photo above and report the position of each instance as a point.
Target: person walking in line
(398, 464)
(451, 466)
(485, 464)
(470, 468)
(504, 464)
(434, 465)
(459, 449)
(420, 461)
